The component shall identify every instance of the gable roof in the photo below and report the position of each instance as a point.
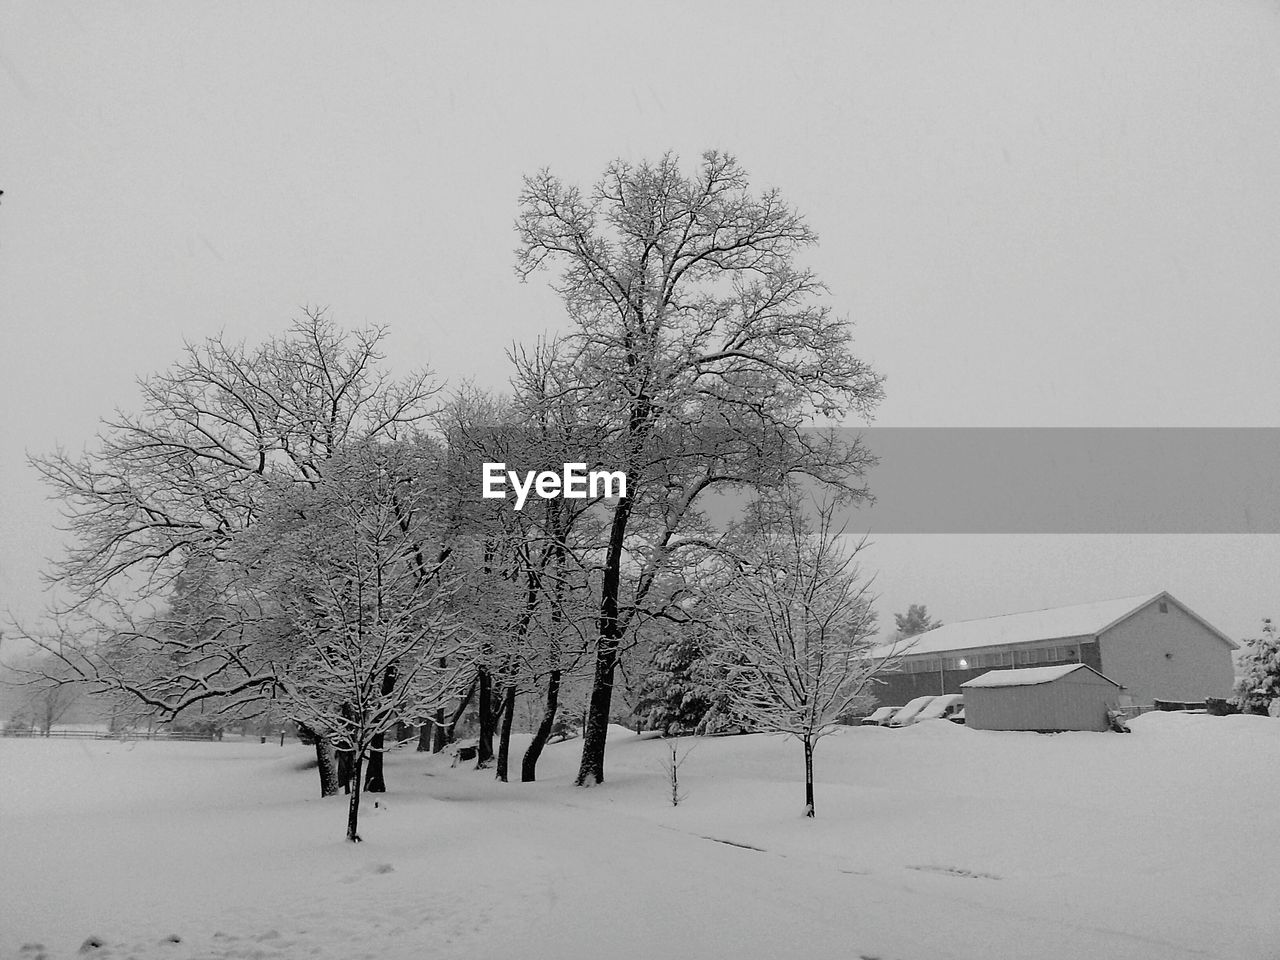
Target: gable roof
(1053, 623)
(1029, 676)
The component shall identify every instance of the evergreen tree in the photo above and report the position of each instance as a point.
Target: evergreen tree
(684, 690)
(915, 621)
(1260, 664)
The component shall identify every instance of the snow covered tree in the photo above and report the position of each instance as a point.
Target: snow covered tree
(1260, 683)
(528, 566)
(915, 621)
(153, 509)
(797, 630)
(558, 536)
(704, 348)
(47, 691)
(362, 614)
(683, 689)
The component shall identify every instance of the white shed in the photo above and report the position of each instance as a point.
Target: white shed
(1071, 696)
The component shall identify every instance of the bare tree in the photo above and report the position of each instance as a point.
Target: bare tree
(363, 621)
(528, 574)
(797, 630)
(673, 759)
(45, 691)
(703, 346)
(154, 507)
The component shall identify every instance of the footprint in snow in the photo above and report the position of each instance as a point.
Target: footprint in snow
(956, 872)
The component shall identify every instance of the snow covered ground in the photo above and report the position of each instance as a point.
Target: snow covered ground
(930, 842)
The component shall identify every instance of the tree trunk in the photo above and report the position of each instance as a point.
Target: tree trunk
(374, 782)
(484, 693)
(424, 734)
(529, 767)
(504, 733)
(439, 734)
(596, 730)
(443, 734)
(808, 777)
(346, 763)
(353, 808)
(328, 768)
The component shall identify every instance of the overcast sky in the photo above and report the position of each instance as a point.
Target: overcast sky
(1036, 214)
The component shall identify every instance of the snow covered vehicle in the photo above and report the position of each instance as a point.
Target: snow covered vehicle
(907, 715)
(942, 708)
(880, 716)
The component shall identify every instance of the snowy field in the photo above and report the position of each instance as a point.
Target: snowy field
(930, 842)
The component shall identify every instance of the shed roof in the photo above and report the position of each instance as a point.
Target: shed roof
(1029, 676)
(1053, 623)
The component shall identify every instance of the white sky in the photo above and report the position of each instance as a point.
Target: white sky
(1037, 213)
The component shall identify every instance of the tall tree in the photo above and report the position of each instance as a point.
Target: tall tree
(704, 346)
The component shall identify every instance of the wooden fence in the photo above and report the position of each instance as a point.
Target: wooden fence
(104, 735)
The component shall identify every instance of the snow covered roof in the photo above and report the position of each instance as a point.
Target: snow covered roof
(1029, 676)
(1077, 620)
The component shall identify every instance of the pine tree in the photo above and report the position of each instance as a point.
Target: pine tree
(684, 689)
(915, 621)
(1260, 662)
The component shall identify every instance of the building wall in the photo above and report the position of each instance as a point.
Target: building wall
(1169, 656)
(1078, 701)
(899, 687)
(902, 685)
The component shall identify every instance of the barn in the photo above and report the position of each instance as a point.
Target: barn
(1044, 699)
(1153, 644)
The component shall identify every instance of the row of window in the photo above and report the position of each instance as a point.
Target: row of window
(1025, 657)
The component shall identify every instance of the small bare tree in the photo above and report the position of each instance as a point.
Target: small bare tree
(797, 629)
(672, 760)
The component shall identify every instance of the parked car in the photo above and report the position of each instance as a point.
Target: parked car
(880, 717)
(907, 715)
(942, 708)
(958, 716)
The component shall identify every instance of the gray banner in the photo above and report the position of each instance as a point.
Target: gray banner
(1071, 480)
